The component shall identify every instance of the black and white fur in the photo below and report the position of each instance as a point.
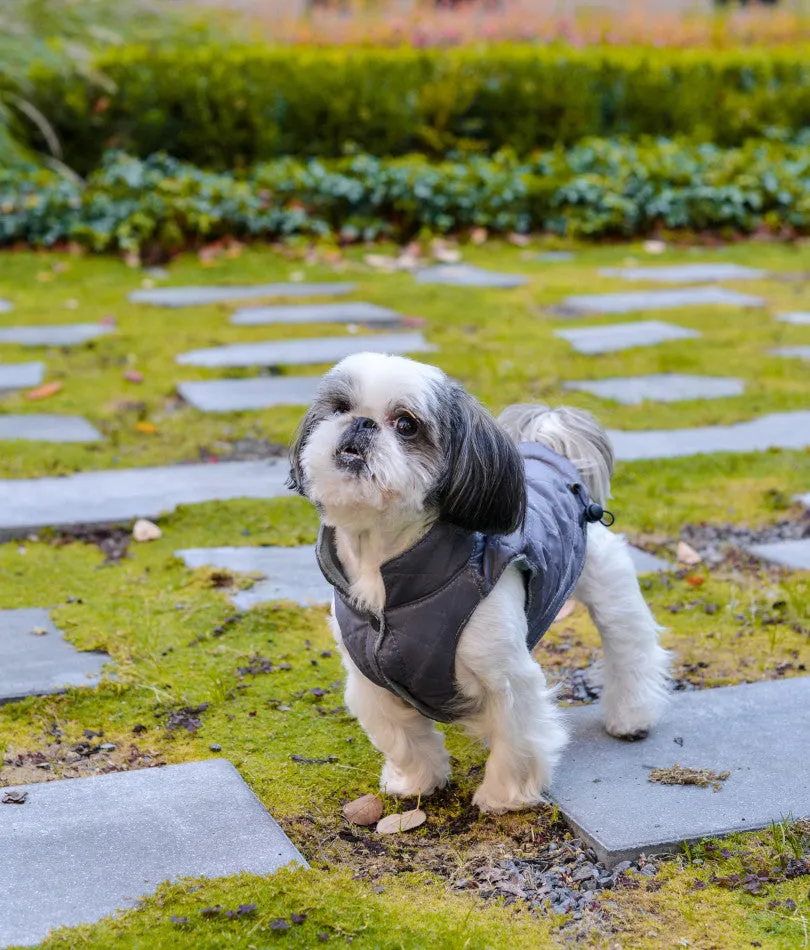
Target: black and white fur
(388, 447)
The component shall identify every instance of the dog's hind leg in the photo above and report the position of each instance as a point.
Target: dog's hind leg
(635, 667)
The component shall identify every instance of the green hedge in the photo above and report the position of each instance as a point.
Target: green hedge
(600, 188)
(226, 107)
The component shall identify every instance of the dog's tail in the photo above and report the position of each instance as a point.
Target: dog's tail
(573, 433)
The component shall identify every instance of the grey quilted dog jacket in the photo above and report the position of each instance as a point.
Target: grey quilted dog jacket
(433, 588)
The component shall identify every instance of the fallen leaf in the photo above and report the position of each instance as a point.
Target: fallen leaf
(14, 797)
(393, 824)
(45, 391)
(687, 554)
(366, 810)
(133, 376)
(279, 924)
(695, 580)
(108, 321)
(144, 530)
(298, 918)
(565, 611)
(148, 428)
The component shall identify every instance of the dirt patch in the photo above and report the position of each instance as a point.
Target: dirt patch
(59, 760)
(241, 450)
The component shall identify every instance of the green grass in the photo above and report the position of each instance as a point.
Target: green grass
(165, 626)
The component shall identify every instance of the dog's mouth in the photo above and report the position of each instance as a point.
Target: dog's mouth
(350, 459)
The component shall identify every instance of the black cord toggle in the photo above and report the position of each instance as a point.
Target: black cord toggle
(595, 512)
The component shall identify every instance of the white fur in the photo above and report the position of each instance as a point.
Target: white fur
(378, 517)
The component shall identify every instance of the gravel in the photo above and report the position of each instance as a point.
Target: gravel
(565, 879)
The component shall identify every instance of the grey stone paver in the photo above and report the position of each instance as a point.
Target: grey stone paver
(80, 849)
(5, 305)
(804, 500)
(20, 375)
(792, 352)
(795, 554)
(350, 312)
(289, 573)
(306, 351)
(799, 318)
(639, 300)
(757, 731)
(239, 395)
(686, 273)
(292, 573)
(466, 275)
(646, 563)
(555, 257)
(778, 430)
(40, 664)
(60, 334)
(624, 336)
(122, 495)
(198, 296)
(662, 387)
(46, 427)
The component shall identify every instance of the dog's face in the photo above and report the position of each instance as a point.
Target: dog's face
(389, 435)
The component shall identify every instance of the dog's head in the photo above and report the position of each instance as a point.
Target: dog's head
(387, 435)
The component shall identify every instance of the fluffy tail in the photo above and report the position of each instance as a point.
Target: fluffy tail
(569, 432)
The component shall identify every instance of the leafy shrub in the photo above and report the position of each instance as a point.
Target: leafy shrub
(599, 188)
(226, 107)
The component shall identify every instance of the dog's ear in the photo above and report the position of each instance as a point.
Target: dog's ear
(296, 480)
(483, 486)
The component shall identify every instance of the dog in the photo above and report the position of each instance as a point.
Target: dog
(452, 539)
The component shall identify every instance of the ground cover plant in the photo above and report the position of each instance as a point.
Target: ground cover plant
(599, 188)
(197, 679)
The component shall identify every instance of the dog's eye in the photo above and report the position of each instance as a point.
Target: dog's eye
(340, 408)
(406, 426)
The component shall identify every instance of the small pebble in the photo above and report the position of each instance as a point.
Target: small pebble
(215, 747)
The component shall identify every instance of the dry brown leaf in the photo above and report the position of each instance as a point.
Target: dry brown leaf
(366, 810)
(45, 391)
(148, 428)
(687, 554)
(393, 824)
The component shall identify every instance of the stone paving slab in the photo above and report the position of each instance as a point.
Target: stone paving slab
(20, 375)
(555, 257)
(46, 427)
(638, 300)
(239, 395)
(646, 563)
(40, 664)
(804, 500)
(307, 351)
(661, 387)
(290, 573)
(61, 334)
(5, 305)
(686, 273)
(795, 352)
(466, 275)
(795, 554)
(778, 430)
(122, 495)
(799, 319)
(199, 296)
(623, 336)
(757, 731)
(351, 312)
(80, 849)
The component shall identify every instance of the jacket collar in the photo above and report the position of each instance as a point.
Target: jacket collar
(418, 572)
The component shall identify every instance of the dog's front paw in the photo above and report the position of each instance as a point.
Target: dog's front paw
(498, 800)
(420, 781)
(630, 722)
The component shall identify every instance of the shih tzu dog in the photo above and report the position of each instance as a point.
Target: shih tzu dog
(452, 540)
